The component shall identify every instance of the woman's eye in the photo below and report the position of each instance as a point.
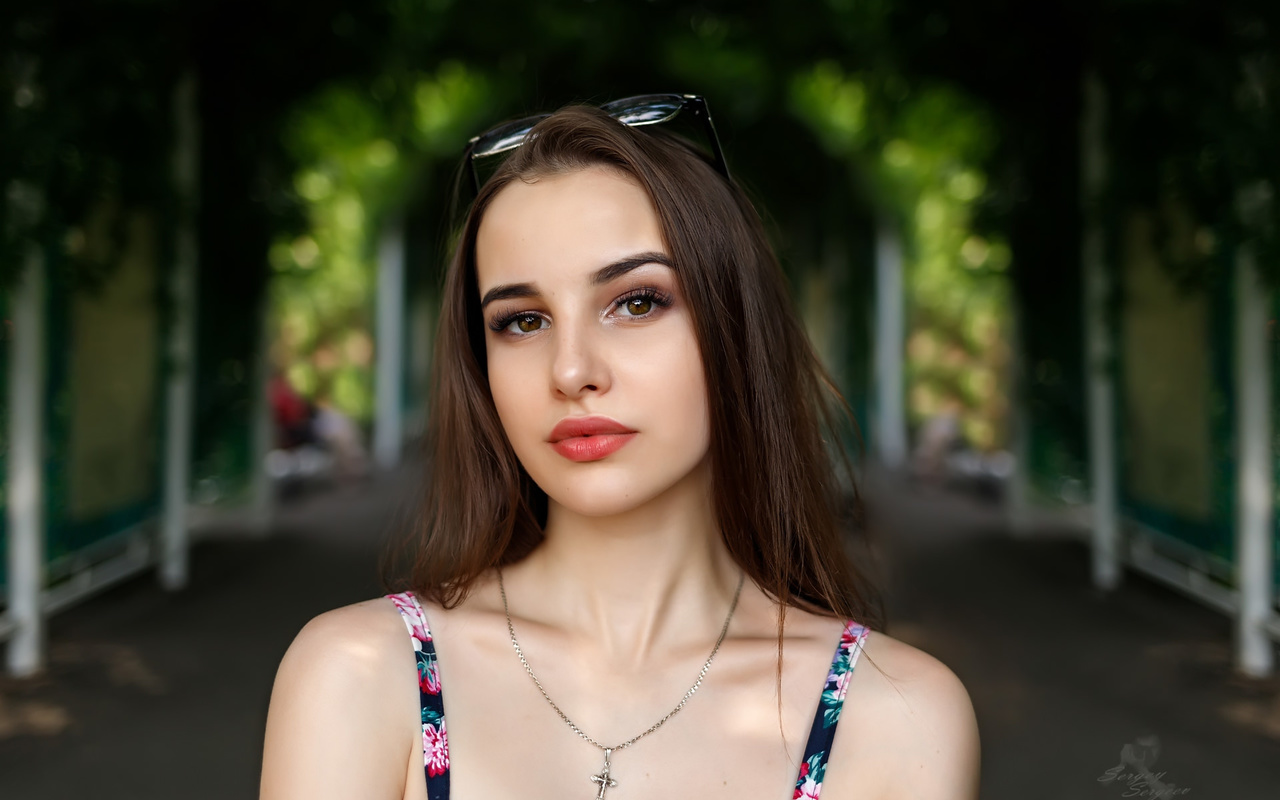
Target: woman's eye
(639, 305)
(528, 323)
(525, 323)
(644, 302)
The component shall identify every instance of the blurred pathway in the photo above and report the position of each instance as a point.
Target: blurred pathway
(151, 695)
(1063, 677)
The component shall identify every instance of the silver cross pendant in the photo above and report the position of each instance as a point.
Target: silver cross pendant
(603, 777)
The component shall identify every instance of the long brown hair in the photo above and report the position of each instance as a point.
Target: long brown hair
(779, 501)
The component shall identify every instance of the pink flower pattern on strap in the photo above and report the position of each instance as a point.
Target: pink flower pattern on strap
(435, 748)
(409, 613)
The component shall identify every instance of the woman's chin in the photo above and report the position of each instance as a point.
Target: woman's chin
(602, 495)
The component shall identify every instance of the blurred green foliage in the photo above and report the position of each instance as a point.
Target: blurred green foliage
(957, 119)
(928, 148)
(919, 156)
(359, 156)
(84, 112)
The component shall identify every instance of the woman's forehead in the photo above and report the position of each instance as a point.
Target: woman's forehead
(564, 226)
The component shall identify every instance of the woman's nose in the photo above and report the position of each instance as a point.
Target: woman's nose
(578, 363)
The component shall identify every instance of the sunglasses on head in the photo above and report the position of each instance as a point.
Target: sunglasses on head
(645, 109)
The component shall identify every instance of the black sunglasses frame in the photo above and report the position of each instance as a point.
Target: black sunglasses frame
(634, 112)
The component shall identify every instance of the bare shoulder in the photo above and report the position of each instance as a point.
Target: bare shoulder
(360, 636)
(340, 723)
(908, 720)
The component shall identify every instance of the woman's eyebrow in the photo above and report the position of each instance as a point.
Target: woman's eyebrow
(600, 277)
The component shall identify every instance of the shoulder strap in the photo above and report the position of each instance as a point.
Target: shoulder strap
(435, 741)
(823, 731)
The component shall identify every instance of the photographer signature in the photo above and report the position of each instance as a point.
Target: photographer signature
(1134, 771)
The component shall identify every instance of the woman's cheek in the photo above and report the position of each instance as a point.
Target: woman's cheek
(505, 387)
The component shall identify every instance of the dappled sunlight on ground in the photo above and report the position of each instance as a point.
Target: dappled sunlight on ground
(30, 717)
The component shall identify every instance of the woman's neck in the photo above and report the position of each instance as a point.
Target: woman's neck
(655, 579)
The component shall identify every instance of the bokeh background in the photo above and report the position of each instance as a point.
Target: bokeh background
(1035, 244)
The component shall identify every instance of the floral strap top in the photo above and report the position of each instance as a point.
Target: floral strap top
(435, 739)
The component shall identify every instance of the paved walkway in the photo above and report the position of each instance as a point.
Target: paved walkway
(152, 695)
(1064, 677)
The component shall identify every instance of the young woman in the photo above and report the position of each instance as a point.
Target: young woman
(627, 475)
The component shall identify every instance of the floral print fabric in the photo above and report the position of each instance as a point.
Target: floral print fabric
(435, 739)
(818, 749)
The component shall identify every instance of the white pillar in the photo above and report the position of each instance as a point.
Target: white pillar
(890, 422)
(180, 380)
(1098, 345)
(388, 425)
(1255, 481)
(26, 468)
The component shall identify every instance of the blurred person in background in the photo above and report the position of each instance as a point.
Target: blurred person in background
(314, 440)
(291, 412)
(939, 437)
(627, 472)
(342, 439)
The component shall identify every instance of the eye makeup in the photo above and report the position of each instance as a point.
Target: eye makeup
(657, 298)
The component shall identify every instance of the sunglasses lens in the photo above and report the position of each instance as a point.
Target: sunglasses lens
(504, 137)
(645, 110)
(648, 109)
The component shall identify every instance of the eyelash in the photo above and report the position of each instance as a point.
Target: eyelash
(657, 297)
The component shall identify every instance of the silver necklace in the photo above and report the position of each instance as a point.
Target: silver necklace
(603, 778)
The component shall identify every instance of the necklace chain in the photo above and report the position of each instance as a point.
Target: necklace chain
(702, 674)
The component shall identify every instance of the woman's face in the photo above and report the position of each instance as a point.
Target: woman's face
(584, 318)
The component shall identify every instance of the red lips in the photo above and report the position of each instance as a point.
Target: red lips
(571, 427)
